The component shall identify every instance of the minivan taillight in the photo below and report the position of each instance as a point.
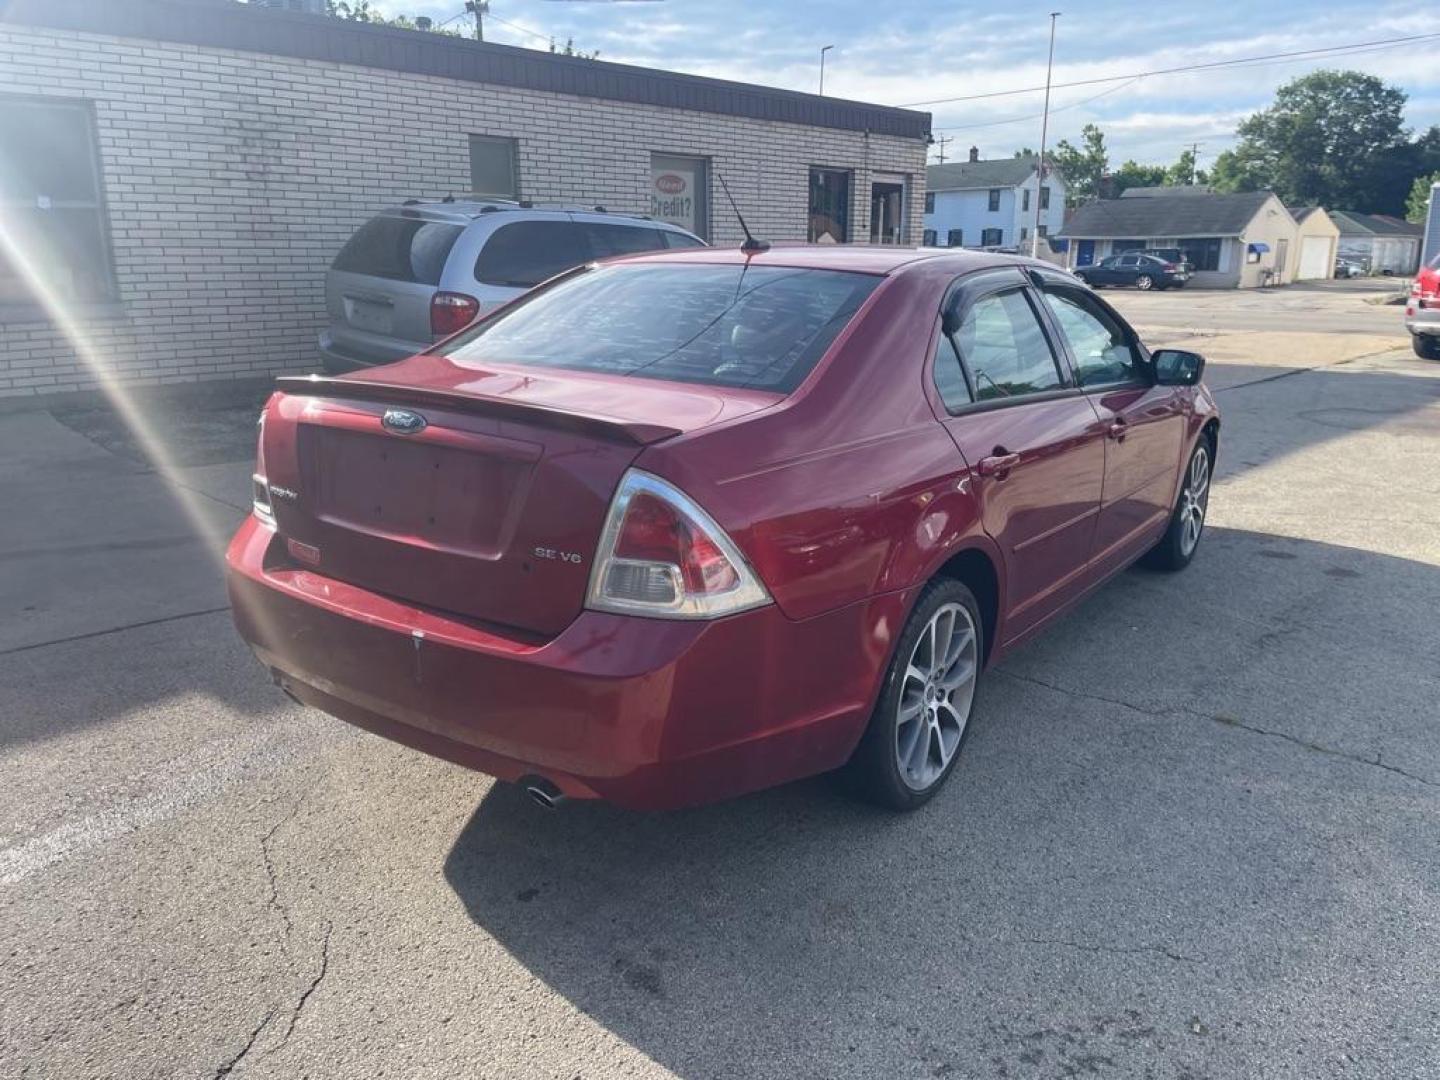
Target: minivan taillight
(451, 312)
(660, 554)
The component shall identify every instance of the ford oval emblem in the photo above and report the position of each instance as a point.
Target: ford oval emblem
(403, 421)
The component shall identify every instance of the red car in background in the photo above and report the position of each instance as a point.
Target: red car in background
(1422, 311)
(685, 525)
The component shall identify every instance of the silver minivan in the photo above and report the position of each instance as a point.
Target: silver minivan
(416, 273)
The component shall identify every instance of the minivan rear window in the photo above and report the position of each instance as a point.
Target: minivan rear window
(742, 326)
(521, 254)
(398, 248)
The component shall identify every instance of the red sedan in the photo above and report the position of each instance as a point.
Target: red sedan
(689, 524)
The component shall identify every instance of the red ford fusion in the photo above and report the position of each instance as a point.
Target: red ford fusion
(689, 524)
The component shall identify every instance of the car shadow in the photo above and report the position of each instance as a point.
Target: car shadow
(1159, 795)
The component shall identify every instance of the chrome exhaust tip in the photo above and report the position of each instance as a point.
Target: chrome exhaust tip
(542, 792)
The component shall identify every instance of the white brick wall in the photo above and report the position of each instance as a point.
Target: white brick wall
(232, 178)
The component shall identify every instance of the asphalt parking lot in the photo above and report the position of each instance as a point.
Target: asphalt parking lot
(1196, 833)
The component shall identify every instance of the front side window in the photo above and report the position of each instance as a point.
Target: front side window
(493, 168)
(994, 199)
(399, 249)
(722, 325)
(51, 203)
(1102, 350)
(829, 206)
(1004, 348)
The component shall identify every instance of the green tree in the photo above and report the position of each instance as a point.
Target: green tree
(1082, 166)
(568, 49)
(1329, 139)
(1133, 174)
(1417, 206)
(361, 11)
(1184, 172)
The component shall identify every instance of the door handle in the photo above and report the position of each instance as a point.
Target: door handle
(1117, 429)
(998, 465)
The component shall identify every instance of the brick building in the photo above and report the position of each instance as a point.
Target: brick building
(184, 170)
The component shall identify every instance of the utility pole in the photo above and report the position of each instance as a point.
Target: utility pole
(823, 51)
(1044, 132)
(478, 8)
(1194, 160)
(940, 154)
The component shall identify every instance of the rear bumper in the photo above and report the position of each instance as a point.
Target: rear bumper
(648, 713)
(347, 353)
(1424, 320)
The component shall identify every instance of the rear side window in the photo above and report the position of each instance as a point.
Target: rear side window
(742, 326)
(525, 253)
(621, 240)
(1006, 352)
(401, 249)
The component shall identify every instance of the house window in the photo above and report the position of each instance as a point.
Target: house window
(992, 237)
(1117, 246)
(51, 202)
(994, 199)
(1042, 230)
(492, 167)
(955, 238)
(1024, 233)
(829, 206)
(928, 238)
(1202, 253)
(1025, 200)
(1045, 198)
(929, 202)
(680, 192)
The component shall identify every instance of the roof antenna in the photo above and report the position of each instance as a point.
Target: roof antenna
(751, 246)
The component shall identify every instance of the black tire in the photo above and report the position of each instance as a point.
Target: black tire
(1144, 283)
(874, 771)
(1176, 549)
(1427, 346)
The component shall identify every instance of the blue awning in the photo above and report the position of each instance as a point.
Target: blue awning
(1259, 249)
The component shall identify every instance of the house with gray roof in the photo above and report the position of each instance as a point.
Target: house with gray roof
(1381, 244)
(1231, 241)
(991, 204)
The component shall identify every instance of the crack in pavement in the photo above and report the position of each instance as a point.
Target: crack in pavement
(271, 875)
(1226, 721)
(1114, 949)
(304, 997)
(226, 1068)
(113, 630)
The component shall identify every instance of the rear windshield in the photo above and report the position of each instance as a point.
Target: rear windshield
(758, 326)
(401, 249)
(522, 254)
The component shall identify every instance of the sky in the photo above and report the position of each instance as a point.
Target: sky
(901, 52)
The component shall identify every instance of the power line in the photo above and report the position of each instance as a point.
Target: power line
(1036, 116)
(1298, 54)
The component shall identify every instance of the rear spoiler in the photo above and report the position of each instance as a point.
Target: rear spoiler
(636, 432)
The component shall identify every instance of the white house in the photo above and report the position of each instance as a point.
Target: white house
(990, 203)
(1380, 243)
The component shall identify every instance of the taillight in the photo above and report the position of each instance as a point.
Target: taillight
(451, 312)
(1170, 268)
(260, 494)
(660, 554)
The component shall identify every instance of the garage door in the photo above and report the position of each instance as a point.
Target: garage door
(1314, 258)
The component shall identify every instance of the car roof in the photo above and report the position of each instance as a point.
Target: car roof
(857, 258)
(462, 211)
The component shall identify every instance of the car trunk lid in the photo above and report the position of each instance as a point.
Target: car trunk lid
(478, 491)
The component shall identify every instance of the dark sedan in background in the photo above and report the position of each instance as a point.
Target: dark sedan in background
(1140, 271)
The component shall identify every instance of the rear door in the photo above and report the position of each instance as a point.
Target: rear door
(379, 287)
(1033, 441)
(1144, 423)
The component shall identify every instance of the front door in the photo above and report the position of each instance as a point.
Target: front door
(887, 207)
(1144, 423)
(1282, 255)
(1085, 253)
(1034, 445)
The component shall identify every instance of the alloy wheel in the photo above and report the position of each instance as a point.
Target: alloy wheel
(1143, 282)
(1194, 497)
(936, 696)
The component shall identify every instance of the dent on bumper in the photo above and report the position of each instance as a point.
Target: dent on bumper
(648, 713)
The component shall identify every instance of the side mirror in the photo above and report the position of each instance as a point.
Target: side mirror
(1176, 367)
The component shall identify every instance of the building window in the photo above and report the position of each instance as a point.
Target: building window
(51, 203)
(1043, 230)
(492, 167)
(928, 238)
(829, 206)
(1045, 198)
(955, 238)
(992, 237)
(929, 202)
(1025, 200)
(1024, 233)
(1202, 253)
(680, 192)
(1118, 246)
(994, 199)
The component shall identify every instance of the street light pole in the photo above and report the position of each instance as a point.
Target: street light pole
(1044, 131)
(823, 51)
